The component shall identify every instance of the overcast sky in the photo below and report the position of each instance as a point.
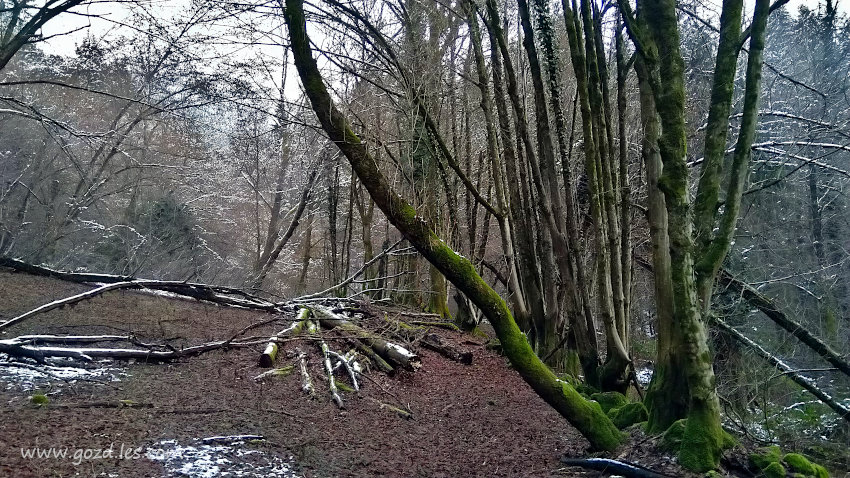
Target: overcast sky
(114, 13)
(104, 19)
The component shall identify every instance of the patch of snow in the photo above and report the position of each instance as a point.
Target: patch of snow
(202, 460)
(644, 374)
(57, 373)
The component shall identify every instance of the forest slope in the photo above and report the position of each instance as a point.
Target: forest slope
(460, 411)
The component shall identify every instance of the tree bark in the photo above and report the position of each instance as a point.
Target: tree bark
(590, 421)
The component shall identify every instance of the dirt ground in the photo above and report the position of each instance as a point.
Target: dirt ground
(468, 420)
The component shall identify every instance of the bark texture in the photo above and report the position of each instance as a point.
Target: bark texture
(589, 420)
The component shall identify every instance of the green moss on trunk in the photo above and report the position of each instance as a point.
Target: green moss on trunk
(587, 418)
(702, 441)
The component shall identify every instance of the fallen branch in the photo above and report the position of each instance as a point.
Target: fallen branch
(349, 368)
(210, 293)
(306, 383)
(442, 325)
(15, 348)
(350, 278)
(70, 339)
(275, 372)
(629, 470)
(231, 438)
(331, 382)
(768, 308)
(389, 351)
(109, 404)
(67, 301)
(805, 382)
(436, 343)
(400, 411)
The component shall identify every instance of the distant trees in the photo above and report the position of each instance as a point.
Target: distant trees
(532, 151)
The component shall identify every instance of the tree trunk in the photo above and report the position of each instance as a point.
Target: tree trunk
(590, 421)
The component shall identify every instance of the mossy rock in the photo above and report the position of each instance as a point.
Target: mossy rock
(610, 400)
(765, 456)
(799, 463)
(494, 345)
(586, 390)
(628, 415)
(820, 471)
(672, 438)
(39, 399)
(713, 474)
(477, 332)
(803, 466)
(774, 470)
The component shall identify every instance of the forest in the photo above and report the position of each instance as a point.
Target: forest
(594, 237)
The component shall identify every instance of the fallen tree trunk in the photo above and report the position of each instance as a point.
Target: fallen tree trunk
(437, 344)
(590, 421)
(70, 339)
(376, 359)
(15, 348)
(389, 351)
(228, 296)
(805, 382)
(768, 308)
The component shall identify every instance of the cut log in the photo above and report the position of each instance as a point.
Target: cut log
(437, 344)
(390, 351)
(376, 359)
(270, 352)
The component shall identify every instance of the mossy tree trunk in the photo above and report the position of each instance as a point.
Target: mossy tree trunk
(520, 205)
(518, 301)
(587, 418)
(603, 204)
(686, 357)
(667, 396)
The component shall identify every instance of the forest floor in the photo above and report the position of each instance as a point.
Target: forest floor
(468, 420)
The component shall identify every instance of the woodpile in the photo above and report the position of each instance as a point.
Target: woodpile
(347, 338)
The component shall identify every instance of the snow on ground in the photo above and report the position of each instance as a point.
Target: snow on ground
(56, 374)
(222, 458)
